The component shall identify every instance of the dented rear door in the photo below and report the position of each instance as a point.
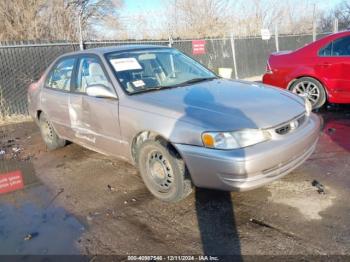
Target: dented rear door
(55, 94)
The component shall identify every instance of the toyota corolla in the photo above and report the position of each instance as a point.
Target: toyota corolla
(175, 120)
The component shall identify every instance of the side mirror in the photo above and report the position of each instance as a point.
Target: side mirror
(99, 91)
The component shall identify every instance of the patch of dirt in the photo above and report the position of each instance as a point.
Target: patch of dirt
(302, 196)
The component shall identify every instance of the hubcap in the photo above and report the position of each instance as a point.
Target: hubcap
(47, 131)
(160, 171)
(307, 90)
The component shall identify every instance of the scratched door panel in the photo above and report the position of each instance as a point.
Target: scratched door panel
(101, 118)
(55, 106)
(78, 120)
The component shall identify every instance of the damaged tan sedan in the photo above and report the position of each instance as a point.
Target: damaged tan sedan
(178, 122)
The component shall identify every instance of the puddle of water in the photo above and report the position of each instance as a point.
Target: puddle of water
(31, 222)
(337, 124)
(338, 131)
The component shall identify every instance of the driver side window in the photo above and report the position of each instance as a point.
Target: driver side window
(90, 73)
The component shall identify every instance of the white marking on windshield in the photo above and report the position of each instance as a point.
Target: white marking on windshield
(124, 64)
(138, 83)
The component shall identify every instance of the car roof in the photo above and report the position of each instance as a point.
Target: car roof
(337, 35)
(110, 49)
(341, 33)
(313, 46)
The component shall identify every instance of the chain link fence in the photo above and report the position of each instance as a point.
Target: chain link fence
(21, 63)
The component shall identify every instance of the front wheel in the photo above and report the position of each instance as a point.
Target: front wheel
(163, 172)
(310, 89)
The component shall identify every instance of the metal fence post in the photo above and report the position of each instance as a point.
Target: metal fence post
(314, 33)
(335, 25)
(81, 41)
(314, 24)
(170, 41)
(276, 39)
(234, 55)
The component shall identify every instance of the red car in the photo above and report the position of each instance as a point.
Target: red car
(319, 71)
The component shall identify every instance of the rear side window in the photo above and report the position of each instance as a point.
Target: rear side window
(61, 75)
(326, 51)
(339, 47)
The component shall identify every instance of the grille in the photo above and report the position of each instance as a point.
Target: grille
(301, 120)
(283, 130)
(292, 125)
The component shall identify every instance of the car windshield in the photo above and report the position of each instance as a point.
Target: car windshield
(155, 69)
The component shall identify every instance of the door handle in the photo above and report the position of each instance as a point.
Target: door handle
(326, 64)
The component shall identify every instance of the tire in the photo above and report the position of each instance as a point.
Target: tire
(311, 89)
(49, 134)
(163, 171)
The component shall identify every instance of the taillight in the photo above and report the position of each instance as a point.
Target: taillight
(33, 86)
(268, 68)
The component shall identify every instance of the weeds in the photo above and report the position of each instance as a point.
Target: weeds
(5, 114)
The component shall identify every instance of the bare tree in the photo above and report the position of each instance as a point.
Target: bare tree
(340, 12)
(57, 19)
(142, 25)
(288, 17)
(208, 18)
(194, 18)
(97, 15)
(20, 19)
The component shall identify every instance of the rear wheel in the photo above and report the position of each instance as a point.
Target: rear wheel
(49, 135)
(310, 89)
(163, 172)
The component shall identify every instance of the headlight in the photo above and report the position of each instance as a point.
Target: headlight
(308, 106)
(236, 139)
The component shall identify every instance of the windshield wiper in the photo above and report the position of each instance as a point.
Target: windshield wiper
(146, 90)
(188, 82)
(196, 80)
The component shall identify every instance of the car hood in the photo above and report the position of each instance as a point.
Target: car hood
(222, 104)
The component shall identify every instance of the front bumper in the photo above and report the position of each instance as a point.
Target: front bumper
(251, 167)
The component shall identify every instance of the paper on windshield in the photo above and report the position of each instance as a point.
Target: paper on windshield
(138, 83)
(124, 64)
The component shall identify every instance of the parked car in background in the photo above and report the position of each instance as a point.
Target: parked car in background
(319, 71)
(175, 120)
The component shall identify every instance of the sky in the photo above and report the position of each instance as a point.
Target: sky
(154, 9)
(143, 6)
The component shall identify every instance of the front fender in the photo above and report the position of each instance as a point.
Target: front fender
(135, 121)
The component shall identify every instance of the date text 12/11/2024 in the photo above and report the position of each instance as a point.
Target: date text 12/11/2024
(173, 258)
